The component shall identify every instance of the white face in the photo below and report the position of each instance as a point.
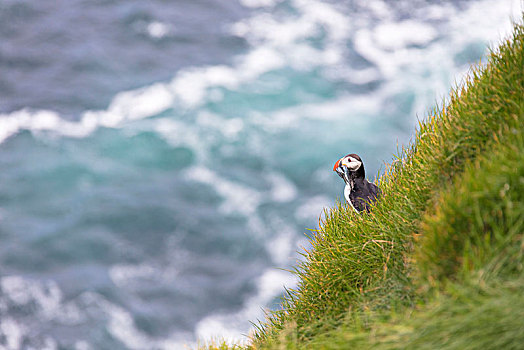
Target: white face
(351, 163)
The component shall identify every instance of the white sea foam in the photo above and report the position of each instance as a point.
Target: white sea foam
(178, 133)
(285, 39)
(140, 103)
(121, 275)
(121, 325)
(13, 333)
(130, 276)
(49, 344)
(38, 121)
(395, 36)
(233, 326)
(229, 128)
(21, 291)
(242, 199)
(157, 29)
(441, 11)
(401, 50)
(82, 345)
(492, 21)
(281, 247)
(45, 302)
(313, 208)
(259, 3)
(282, 190)
(44, 297)
(237, 198)
(190, 86)
(278, 42)
(377, 8)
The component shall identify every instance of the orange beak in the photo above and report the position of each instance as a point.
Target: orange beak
(337, 164)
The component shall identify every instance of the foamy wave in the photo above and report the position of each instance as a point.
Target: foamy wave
(240, 198)
(393, 47)
(122, 275)
(126, 106)
(45, 302)
(157, 29)
(401, 50)
(259, 3)
(45, 297)
(233, 326)
(282, 246)
(395, 36)
(121, 326)
(130, 276)
(492, 20)
(282, 190)
(190, 88)
(237, 198)
(41, 121)
(313, 208)
(286, 39)
(13, 333)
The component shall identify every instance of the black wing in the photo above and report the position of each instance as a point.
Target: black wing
(364, 194)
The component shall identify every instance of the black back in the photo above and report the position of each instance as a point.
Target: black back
(363, 193)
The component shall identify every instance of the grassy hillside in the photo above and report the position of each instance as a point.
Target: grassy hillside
(438, 263)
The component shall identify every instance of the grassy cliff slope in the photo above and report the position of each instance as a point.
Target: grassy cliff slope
(438, 263)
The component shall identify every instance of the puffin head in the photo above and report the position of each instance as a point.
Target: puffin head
(350, 167)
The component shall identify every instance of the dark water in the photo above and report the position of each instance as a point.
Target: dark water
(159, 161)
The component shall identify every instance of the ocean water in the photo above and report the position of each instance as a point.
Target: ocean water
(161, 162)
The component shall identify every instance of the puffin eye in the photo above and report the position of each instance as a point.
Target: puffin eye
(353, 164)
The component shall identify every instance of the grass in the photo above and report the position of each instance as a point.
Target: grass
(438, 263)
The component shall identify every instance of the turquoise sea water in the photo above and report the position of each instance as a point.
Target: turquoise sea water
(160, 162)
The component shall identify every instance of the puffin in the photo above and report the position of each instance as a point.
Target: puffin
(359, 192)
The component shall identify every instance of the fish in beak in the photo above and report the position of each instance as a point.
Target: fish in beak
(342, 170)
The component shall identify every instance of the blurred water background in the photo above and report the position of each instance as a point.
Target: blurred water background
(161, 160)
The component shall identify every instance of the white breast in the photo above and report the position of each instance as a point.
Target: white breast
(347, 191)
